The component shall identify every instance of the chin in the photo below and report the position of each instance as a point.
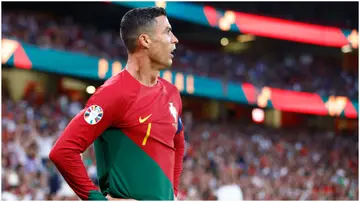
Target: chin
(164, 64)
(170, 63)
(167, 65)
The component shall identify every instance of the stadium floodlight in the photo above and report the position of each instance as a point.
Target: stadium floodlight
(90, 89)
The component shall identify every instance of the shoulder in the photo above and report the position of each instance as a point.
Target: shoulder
(109, 88)
(174, 92)
(169, 86)
(110, 92)
(119, 86)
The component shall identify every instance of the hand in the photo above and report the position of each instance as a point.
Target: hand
(118, 199)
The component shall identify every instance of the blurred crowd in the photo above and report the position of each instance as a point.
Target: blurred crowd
(253, 162)
(29, 131)
(223, 161)
(304, 72)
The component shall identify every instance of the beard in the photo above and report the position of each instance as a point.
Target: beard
(161, 61)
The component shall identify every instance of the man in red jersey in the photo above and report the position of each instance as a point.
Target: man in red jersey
(133, 120)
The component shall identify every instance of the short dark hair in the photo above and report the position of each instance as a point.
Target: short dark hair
(136, 21)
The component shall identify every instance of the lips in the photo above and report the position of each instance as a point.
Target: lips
(172, 53)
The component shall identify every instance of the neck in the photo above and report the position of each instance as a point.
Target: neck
(142, 69)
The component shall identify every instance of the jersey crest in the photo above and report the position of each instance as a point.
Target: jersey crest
(173, 111)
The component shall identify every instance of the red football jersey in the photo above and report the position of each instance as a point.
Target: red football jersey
(139, 141)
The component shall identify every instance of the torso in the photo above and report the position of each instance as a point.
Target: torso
(140, 145)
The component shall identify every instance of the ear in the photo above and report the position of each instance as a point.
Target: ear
(144, 40)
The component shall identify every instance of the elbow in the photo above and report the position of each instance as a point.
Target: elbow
(62, 153)
(55, 155)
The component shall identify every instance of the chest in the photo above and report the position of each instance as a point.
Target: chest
(153, 117)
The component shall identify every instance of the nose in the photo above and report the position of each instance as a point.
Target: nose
(175, 40)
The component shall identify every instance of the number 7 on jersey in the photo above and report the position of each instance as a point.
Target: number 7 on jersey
(147, 134)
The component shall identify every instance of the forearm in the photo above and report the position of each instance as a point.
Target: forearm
(179, 142)
(65, 154)
(71, 167)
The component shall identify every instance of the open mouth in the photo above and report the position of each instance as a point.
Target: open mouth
(172, 53)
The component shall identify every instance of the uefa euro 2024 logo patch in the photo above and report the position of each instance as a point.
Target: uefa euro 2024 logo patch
(93, 114)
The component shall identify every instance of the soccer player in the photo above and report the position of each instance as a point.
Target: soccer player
(133, 119)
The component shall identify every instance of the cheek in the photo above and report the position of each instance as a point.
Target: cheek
(156, 53)
(160, 50)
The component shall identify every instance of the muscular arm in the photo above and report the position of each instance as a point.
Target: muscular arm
(179, 142)
(76, 138)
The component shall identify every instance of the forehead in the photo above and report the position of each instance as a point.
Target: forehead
(162, 22)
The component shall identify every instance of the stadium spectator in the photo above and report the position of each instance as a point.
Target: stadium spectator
(303, 72)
